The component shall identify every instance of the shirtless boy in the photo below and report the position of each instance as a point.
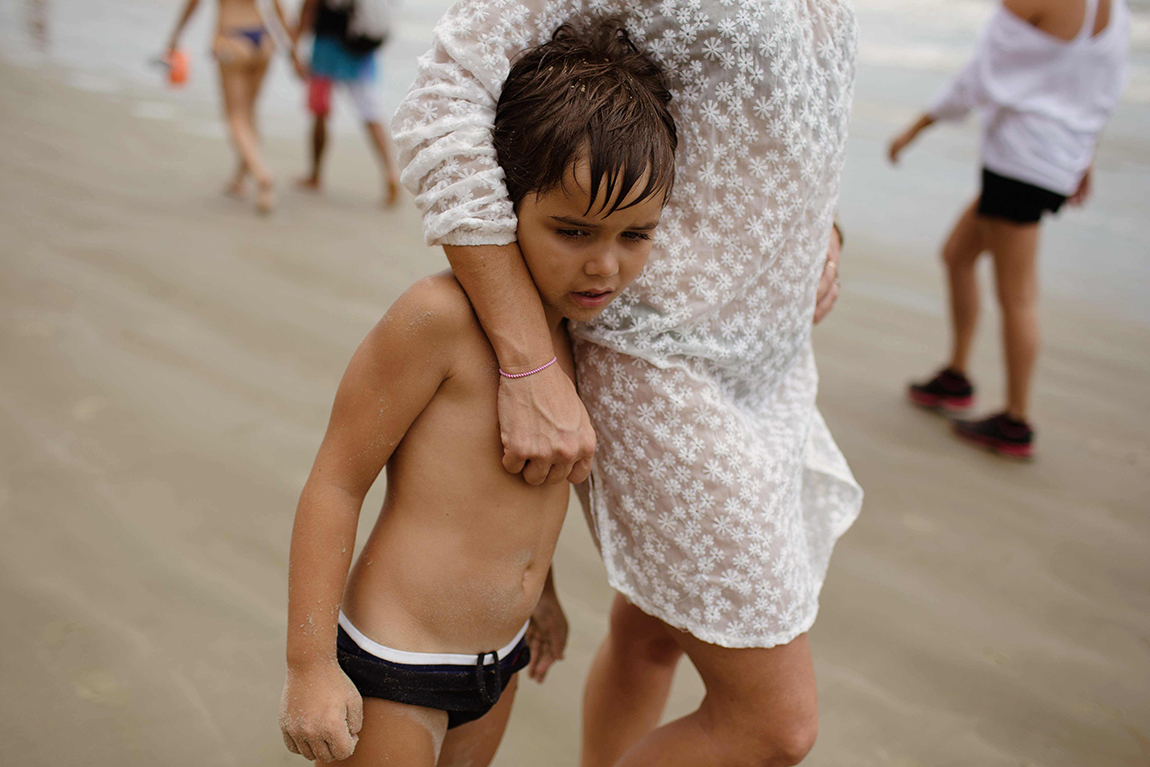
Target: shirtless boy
(431, 620)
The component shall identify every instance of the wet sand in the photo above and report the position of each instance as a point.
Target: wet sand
(168, 364)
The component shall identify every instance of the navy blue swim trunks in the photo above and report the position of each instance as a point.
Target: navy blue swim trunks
(465, 687)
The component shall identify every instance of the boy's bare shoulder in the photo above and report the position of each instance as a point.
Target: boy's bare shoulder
(435, 311)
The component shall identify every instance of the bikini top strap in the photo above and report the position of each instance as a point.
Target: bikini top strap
(1087, 30)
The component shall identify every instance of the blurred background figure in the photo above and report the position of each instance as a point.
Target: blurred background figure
(38, 23)
(242, 47)
(347, 34)
(1048, 74)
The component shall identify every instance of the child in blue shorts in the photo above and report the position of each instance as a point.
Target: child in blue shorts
(347, 34)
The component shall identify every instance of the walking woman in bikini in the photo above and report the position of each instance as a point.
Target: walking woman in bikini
(1048, 74)
(243, 47)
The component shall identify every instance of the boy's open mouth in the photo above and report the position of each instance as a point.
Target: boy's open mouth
(592, 298)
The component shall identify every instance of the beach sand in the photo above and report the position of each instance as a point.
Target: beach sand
(168, 362)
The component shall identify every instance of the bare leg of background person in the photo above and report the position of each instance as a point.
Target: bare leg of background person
(960, 255)
(382, 145)
(760, 709)
(627, 688)
(318, 147)
(474, 744)
(237, 187)
(239, 83)
(1015, 247)
(257, 72)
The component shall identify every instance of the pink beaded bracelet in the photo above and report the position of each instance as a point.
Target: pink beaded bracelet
(529, 372)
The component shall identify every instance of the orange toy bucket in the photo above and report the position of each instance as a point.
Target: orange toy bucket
(178, 66)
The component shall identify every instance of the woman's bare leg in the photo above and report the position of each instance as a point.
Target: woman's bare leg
(960, 255)
(1015, 247)
(397, 734)
(239, 82)
(474, 744)
(627, 688)
(760, 710)
(257, 72)
(237, 187)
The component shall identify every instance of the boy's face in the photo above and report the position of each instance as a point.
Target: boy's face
(581, 261)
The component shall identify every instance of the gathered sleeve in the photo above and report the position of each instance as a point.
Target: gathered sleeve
(1006, 69)
(443, 126)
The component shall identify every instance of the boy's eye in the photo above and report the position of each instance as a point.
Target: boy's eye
(572, 233)
(636, 235)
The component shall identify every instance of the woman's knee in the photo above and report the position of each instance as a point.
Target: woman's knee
(1015, 293)
(761, 706)
(641, 638)
(965, 244)
(794, 740)
(959, 253)
(777, 741)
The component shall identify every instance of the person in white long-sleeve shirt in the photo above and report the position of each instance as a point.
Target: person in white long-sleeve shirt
(1047, 74)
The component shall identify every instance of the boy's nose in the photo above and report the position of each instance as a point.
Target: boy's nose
(605, 263)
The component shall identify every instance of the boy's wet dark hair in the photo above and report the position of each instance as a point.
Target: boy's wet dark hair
(589, 92)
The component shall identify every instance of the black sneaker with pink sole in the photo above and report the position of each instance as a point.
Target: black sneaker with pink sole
(950, 391)
(1000, 433)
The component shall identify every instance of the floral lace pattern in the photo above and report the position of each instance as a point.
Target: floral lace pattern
(718, 491)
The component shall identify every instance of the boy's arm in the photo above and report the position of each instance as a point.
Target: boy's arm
(547, 631)
(545, 429)
(391, 378)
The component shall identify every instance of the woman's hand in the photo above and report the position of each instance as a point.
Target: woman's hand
(546, 432)
(829, 281)
(546, 634)
(1084, 188)
(321, 713)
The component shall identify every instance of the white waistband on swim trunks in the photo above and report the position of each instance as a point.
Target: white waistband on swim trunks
(423, 658)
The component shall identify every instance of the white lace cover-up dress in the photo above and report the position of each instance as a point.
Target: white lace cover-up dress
(717, 490)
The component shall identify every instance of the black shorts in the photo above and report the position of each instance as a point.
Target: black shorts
(1015, 200)
(465, 692)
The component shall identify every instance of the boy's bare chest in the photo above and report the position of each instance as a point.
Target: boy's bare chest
(458, 433)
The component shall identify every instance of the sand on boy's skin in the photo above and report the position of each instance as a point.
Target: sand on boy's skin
(168, 365)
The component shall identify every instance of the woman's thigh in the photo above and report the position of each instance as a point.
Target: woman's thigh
(235, 87)
(757, 698)
(474, 744)
(639, 637)
(256, 73)
(1015, 251)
